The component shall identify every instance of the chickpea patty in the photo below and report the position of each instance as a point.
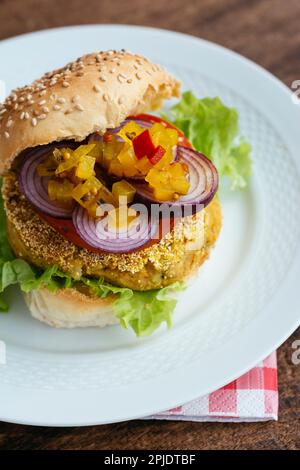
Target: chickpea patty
(159, 265)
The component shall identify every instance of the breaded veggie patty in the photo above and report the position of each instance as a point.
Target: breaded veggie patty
(159, 265)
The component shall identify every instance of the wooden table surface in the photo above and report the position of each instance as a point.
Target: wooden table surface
(266, 31)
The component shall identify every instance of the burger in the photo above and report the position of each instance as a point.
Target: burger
(85, 163)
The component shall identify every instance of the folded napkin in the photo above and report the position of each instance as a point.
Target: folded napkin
(252, 397)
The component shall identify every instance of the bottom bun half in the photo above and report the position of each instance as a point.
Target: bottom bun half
(69, 308)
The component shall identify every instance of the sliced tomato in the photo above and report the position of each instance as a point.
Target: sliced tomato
(149, 117)
(66, 228)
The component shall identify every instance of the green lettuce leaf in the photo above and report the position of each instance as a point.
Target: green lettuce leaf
(144, 312)
(213, 130)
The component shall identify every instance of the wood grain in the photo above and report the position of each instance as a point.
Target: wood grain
(266, 31)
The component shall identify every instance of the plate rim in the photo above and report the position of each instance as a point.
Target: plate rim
(189, 395)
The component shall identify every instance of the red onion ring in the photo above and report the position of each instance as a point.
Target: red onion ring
(203, 178)
(98, 235)
(35, 187)
(140, 122)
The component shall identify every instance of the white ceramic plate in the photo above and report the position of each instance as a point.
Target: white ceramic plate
(245, 301)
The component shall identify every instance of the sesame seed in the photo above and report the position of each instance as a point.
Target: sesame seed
(42, 116)
(16, 106)
(33, 122)
(65, 84)
(98, 57)
(105, 97)
(6, 134)
(79, 107)
(21, 99)
(56, 107)
(45, 109)
(42, 93)
(30, 102)
(42, 102)
(129, 80)
(76, 99)
(138, 75)
(22, 115)
(112, 70)
(26, 115)
(96, 88)
(9, 123)
(14, 97)
(121, 78)
(136, 66)
(61, 100)
(52, 82)
(29, 97)
(36, 112)
(109, 52)
(3, 111)
(102, 78)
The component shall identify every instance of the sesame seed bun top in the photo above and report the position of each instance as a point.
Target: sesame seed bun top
(96, 92)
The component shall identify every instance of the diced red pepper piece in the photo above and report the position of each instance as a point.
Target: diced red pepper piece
(157, 155)
(143, 145)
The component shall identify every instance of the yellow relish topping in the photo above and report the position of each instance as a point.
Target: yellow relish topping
(61, 191)
(131, 152)
(123, 189)
(168, 183)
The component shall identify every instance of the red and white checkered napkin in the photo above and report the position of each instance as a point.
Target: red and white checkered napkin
(252, 397)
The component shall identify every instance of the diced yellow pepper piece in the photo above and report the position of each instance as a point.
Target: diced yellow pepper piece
(163, 195)
(123, 189)
(111, 150)
(61, 191)
(72, 159)
(169, 182)
(83, 150)
(155, 177)
(67, 165)
(127, 157)
(166, 159)
(85, 192)
(97, 151)
(105, 195)
(130, 130)
(143, 165)
(49, 165)
(163, 136)
(115, 168)
(85, 167)
(128, 160)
